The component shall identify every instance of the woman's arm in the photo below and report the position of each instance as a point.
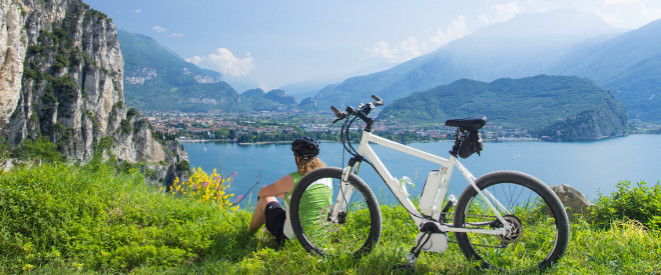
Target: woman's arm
(267, 194)
(279, 187)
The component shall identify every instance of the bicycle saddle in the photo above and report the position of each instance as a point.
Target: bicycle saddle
(470, 124)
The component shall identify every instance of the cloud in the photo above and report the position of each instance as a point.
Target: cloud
(619, 13)
(195, 60)
(412, 47)
(499, 12)
(615, 2)
(158, 29)
(508, 10)
(225, 61)
(174, 34)
(455, 30)
(137, 11)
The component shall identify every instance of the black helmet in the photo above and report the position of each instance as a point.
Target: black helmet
(305, 147)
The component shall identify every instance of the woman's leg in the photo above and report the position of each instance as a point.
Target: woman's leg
(258, 217)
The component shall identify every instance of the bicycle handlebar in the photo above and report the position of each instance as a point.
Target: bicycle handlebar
(363, 110)
(352, 114)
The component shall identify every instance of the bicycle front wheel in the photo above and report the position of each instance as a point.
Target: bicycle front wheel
(540, 228)
(348, 221)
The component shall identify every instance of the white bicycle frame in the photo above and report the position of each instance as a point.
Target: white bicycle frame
(447, 165)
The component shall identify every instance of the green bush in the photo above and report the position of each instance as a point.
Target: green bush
(4, 148)
(183, 165)
(125, 125)
(65, 85)
(638, 202)
(38, 149)
(105, 143)
(131, 113)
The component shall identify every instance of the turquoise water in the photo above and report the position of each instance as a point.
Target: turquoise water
(591, 167)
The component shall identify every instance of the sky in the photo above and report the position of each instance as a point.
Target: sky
(274, 43)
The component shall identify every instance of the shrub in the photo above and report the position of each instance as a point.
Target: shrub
(38, 149)
(65, 85)
(125, 125)
(131, 113)
(49, 98)
(4, 147)
(640, 202)
(183, 165)
(206, 188)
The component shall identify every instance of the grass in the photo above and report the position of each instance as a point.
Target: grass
(61, 219)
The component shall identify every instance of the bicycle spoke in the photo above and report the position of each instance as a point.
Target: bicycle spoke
(533, 234)
(351, 227)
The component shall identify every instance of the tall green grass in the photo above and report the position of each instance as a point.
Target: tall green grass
(94, 218)
(65, 219)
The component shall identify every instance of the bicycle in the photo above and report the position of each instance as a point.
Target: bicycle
(505, 220)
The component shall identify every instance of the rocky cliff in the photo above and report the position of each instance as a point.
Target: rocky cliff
(607, 118)
(61, 79)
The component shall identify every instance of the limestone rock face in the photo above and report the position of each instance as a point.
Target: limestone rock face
(13, 45)
(61, 73)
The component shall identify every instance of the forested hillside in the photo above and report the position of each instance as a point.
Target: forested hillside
(557, 107)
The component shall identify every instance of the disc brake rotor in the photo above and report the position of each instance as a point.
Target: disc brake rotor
(515, 233)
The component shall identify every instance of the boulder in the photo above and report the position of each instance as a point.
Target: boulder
(574, 201)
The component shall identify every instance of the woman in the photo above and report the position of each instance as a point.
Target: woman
(268, 211)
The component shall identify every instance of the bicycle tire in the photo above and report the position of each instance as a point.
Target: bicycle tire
(541, 232)
(319, 235)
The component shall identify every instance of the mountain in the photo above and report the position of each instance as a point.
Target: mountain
(153, 73)
(274, 100)
(558, 107)
(61, 80)
(310, 87)
(628, 64)
(148, 64)
(158, 79)
(522, 46)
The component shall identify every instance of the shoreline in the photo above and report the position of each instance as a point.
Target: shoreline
(496, 140)
(239, 143)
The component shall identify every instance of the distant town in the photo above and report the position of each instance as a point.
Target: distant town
(264, 127)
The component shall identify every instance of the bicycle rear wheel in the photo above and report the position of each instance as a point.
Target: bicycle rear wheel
(356, 228)
(541, 228)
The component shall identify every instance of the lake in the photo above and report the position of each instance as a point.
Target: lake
(593, 167)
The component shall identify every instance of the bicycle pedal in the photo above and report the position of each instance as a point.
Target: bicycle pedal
(411, 259)
(408, 267)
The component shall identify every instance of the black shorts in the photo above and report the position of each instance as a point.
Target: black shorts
(275, 220)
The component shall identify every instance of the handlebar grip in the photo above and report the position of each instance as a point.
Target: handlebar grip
(378, 101)
(338, 113)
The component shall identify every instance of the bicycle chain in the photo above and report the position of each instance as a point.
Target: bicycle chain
(479, 216)
(472, 215)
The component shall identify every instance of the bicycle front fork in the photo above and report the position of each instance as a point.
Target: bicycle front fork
(343, 197)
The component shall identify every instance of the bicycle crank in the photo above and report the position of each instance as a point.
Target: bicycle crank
(327, 222)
